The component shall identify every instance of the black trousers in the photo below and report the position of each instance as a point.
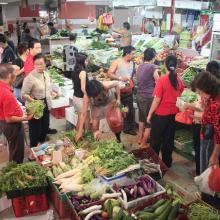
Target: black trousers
(129, 120)
(38, 128)
(162, 136)
(14, 133)
(196, 142)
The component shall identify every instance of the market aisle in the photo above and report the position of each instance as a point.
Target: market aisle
(179, 173)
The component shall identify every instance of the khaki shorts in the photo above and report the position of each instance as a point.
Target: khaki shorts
(78, 104)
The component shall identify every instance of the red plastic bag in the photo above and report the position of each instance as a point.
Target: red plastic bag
(115, 119)
(214, 179)
(184, 117)
(128, 89)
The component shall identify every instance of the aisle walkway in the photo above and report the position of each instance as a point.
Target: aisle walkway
(179, 174)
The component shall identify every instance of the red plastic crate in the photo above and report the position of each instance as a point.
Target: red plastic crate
(37, 203)
(149, 152)
(19, 206)
(26, 205)
(58, 113)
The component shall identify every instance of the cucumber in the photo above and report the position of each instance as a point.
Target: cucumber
(154, 206)
(161, 209)
(174, 212)
(146, 215)
(158, 203)
(165, 213)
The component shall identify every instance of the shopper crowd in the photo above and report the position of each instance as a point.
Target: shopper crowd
(23, 68)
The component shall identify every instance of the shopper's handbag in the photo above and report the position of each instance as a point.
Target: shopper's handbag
(115, 119)
(208, 131)
(214, 179)
(19, 81)
(184, 117)
(129, 86)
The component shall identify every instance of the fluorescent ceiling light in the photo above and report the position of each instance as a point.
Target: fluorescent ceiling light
(3, 3)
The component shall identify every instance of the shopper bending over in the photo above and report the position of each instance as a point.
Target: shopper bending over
(123, 70)
(163, 110)
(79, 77)
(125, 33)
(11, 115)
(37, 86)
(100, 97)
(147, 75)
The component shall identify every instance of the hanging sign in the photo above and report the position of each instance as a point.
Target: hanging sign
(164, 3)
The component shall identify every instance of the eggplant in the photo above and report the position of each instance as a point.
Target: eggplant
(144, 186)
(116, 187)
(141, 191)
(131, 192)
(135, 192)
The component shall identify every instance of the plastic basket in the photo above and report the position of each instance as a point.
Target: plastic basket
(26, 205)
(149, 153)
(59, 201)
(58, 113)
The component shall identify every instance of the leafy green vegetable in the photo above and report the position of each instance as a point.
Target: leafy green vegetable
(36, 107)
(189, 96)
(22, 176)
(99, 45)
(112, 156)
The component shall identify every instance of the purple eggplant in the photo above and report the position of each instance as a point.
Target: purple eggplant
(144, 186)
(116, 187)
(141, 191)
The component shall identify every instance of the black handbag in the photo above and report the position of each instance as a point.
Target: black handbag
(19, 81)
(208, 131)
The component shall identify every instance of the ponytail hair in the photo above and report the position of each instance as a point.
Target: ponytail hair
(171, 65)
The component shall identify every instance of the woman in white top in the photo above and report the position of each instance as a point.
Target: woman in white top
(37, 86)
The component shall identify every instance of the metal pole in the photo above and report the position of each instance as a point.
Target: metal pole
(172, 15)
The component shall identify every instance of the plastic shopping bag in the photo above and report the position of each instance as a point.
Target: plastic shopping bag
(214, 179)
(202, 182)
(115, 119)
(184, 117)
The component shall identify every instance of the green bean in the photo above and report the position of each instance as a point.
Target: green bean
(199, 211)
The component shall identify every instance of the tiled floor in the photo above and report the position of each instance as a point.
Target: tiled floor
(179, 174)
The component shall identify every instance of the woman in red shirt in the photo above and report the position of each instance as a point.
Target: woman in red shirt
(208, 87)
(163, 110)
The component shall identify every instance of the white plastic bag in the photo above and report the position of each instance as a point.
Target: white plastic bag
(202, 182)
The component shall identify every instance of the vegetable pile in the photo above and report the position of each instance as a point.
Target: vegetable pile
(142, 187)
(112, 157)
(22, 176)
(36, 107)
(109, 210)
(99, 45)
(162, 209)
(71, 179)
(188, 76)
(201, 211)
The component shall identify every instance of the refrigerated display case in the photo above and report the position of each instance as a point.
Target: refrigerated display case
(215, 46)
(215, 42)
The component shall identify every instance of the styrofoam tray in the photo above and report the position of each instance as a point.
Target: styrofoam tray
(125, 181)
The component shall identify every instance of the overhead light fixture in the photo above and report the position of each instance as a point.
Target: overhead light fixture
(3, 2)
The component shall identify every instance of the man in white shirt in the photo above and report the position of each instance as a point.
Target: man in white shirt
(36, 29)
